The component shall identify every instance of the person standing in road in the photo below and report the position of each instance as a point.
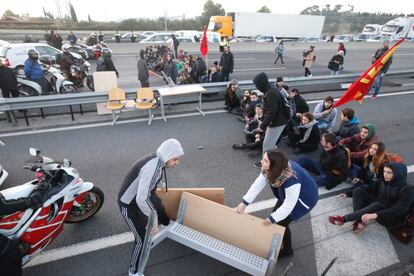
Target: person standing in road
(226, 63)
(308, 60)
(223, 42)
(378, 80)
(137, 199)
(57, 40)
(72, 38)
(274, 119)
(175, 44)
(143, 73)
(280, 49)
(294, 188)
(335, 64)
(8, 82)
(170, 68)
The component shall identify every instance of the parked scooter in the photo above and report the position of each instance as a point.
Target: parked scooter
(57, 84)
(3, 172)
(67, 199)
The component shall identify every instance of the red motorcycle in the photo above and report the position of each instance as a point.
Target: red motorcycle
(67, 199)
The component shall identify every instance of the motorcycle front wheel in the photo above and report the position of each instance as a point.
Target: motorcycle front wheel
(92, 203)
(69, 88)
(90, 83)
(27, 91)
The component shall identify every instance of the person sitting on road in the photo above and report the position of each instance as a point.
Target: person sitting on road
(34, 70)
(308, 136)
(254, 135)
(105, 62)
(360, 143)
(299, 107)
(294, 188)
(333, 165)
(335, 64)
(231, 99)
(349, 124)
(387, 201)
(325, 114)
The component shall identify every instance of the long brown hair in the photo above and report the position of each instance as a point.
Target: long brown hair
(378, 159)
(278, 162)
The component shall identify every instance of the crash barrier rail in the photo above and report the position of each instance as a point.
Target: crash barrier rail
(11, 104)
(183, 231)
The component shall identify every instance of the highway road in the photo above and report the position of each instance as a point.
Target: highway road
(103, 155)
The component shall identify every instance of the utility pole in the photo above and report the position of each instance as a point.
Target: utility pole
(165, 21)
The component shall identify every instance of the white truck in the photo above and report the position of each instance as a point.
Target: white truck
(248, 24)
(372, 29)
(398, 28)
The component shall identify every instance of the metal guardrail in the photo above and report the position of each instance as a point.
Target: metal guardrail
(11, 104)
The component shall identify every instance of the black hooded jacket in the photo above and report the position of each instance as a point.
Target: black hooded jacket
(273, 114)
(395, 194)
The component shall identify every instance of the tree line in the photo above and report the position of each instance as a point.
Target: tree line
(338, 19)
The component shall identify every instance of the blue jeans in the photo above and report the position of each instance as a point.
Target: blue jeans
(313, 166)
(225, 75)
(353, 172)
(377, 84)
(334, 72)
(323, 126)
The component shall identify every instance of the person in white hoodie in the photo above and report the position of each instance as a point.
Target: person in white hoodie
(137, 198)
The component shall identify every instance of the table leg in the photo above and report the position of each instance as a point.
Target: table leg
(199, 106)
(162, 109)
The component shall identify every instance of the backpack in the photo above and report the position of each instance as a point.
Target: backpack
(393, 157)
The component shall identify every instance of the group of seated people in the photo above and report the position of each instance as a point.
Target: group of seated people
(351, 153)
(183, 68)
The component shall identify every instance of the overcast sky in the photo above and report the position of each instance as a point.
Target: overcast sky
(122, 9)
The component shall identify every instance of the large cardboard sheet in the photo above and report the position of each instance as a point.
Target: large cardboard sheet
(171, 200)
(104, 81)
(221, 222)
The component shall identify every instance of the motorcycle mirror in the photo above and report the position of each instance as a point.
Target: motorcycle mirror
(67, 163)
(34, 152)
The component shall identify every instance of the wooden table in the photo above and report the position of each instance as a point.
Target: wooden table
(180, 91)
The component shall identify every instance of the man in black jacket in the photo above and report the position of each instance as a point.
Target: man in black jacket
(332, 168)
(378, 80)
(137, 198)
(8, 82)
(226, 63)
(387, 201)
(274, 119)
(143, 73)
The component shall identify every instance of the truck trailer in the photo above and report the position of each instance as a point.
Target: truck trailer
(248, 24)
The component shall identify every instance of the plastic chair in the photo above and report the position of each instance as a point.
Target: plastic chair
(116, 101)
(146, 100)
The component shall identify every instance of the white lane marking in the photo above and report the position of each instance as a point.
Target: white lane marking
(244, 59)
(106, 124)
(367, 252)
(81, 248)
(119, 239)
(260, 69)
(12, 134)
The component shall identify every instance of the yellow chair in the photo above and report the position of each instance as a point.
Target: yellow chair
(146, 100)
(116, 101)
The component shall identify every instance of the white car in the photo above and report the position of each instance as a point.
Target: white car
(156, 38)
(14, 55)
(266, 38)
(181, 39)
(344, 38)
(378, 39)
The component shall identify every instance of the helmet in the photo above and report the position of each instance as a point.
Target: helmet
(66, 47)
(93, 34)
(106, 52)
(33, 54)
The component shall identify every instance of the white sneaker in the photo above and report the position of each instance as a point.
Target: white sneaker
(310, 75)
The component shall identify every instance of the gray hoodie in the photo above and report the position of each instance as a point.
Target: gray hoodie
(142, 180)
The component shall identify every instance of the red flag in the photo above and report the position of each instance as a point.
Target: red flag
(204, 45)
(361, 86)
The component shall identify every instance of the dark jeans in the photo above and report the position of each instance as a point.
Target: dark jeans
(10, 257)
(322, 177)
(279, 56)
(251, 144)
(287, 237)
(225, 75)
(363, 203)
(7, 93)
(307, 72)
(43, 84)
(144, 83)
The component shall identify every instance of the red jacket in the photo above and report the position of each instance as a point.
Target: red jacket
(357, 146)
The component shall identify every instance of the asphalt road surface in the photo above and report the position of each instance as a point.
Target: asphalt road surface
(103, 155)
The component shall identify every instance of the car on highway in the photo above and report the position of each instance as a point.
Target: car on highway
(14, 55)
(378, 39)
(310, 40)
(126, 37)
(363, 37)
(344, 38)
(182, 39)
(266, 38)
(3, 43)
(156, 38)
